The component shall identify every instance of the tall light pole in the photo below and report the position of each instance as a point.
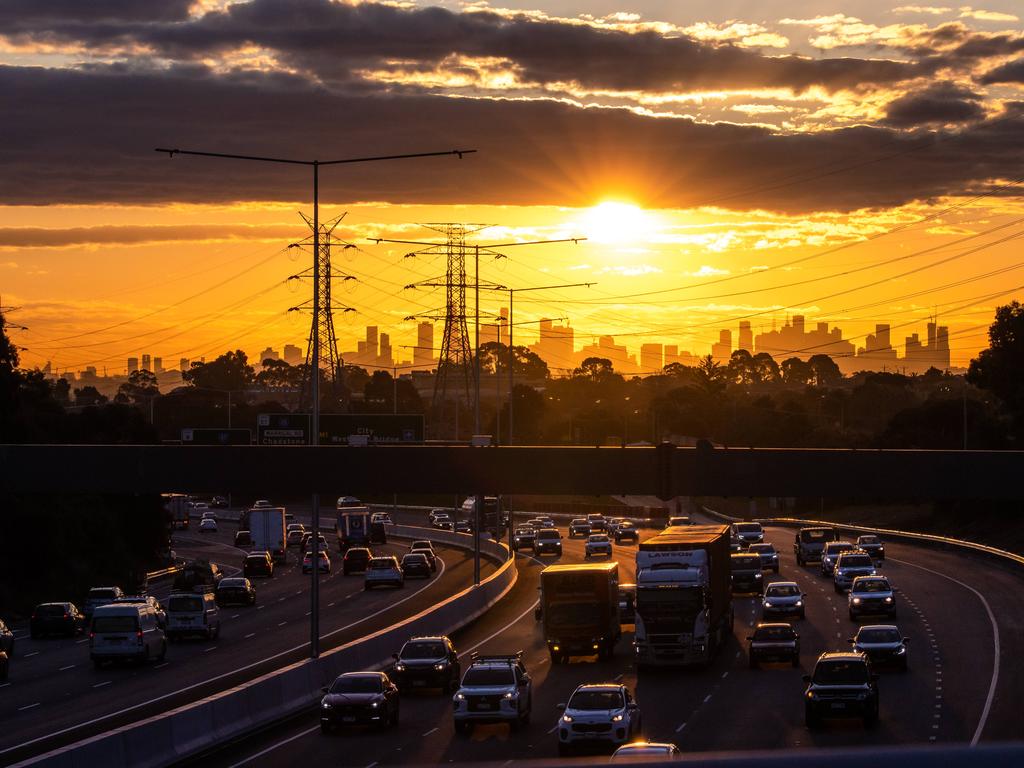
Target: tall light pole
(314, 615)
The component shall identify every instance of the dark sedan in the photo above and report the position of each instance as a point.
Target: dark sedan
(746, 573)
(416, 566)
(235, 591)
(774, 642)
(56, 619)
(359, 698)
(355, 560)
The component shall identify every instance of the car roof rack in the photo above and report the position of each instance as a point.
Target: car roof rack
(508, 658)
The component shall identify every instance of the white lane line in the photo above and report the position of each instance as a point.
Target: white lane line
(251, 634)
(680, 728)
(236, 616)
(260, 607)
(272, 747)
(30, 655)
(65, 669)
(282, 623)
(554, 729)
(280, 599)
(995, 647)
(432, 730)
(330, 605)
(105, 682)
(725, 674)
(309, 613)
(707, 698)
(83, 640)
(211, 648)
(161, 666)
(373, 764)
(28, 706)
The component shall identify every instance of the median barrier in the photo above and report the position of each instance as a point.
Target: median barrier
(194, 729)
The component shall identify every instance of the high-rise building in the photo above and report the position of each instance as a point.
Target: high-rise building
(489, 333)
(385, 358)
(269, 354)
(133, 365)
(183, 365)
(651, 358)
(556, 345)
(722, 351)
(746, 337)
(503, 326)
(621, 360)
(158, 365)
(372, 349)
(147, 364)
(423, 352)
(292, 354)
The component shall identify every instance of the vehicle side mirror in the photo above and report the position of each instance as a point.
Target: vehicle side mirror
(324, 689)
(394, 656)
(806, 678)
(803, 594)
(560, 707)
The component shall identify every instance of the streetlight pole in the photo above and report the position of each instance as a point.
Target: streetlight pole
(314, 615)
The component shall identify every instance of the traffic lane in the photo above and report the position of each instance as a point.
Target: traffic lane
(197, 669)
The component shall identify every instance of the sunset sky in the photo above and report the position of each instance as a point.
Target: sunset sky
(853, 162)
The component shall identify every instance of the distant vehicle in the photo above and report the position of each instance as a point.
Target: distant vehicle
(769, 557)
(579, 605)
(359, 698)
(746, 573)
(381, 517)
(627, 603)
(198, 575)
(382, 571)
(675, 520)
(597, 521)
(415, 565)
(525, 537)
(426, 549)
(258, 564)
(307, 538)
(208, 514)
(871, 595)
(463, 526)
(261, 504)
(646, 751)
(56, 619)
(268, 532)
(207, 525)
(234, 591)
(243, 539)
(548, 540)
(496, 689)
(220, 502)
(809, 542)
(125, 631)
(883, 644)
(749, 533)
(831, 553)
(579, 526)
(872, 545)
(355, 528)
(294, 537)
(546, 521)
(100, 596)
(355, 560)
(626, 530)
(783, 598)
(604, 713)
(773, 642)
(613, 524)
(842, 685)
(427, 662)
(597, 544)
(192, 613)
(6, 639)
(849, 566)
(434, 514)
(177, 506)
(323, 561)
(148, 600)
(348, 501)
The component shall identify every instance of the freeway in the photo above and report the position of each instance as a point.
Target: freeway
(54, 696)
(963, 616)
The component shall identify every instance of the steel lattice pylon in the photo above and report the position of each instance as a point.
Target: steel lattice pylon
(456, 355)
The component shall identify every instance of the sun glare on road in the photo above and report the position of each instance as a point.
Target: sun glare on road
(617, 223)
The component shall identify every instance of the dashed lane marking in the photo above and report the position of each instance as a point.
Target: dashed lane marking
(554, 729)
(680, 728)
(211, 648)
(725, 674)
(281, 624)
(707, 698)
(105, 682)
(28, 706)
(161, 666)
(272, 747)
(30, 655)
(432, 730)
(65, 669)
(251, 634)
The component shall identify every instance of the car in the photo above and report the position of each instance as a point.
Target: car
(427, 662)
(383, 571)
(220, 502)
(262, 504)
(207, 525)
(830, 553)
(627, 603)
(433, 514)
(882, 643)
(536, 522)
(359, 698)
(549, 540)
(202, 508)
(646, 751)
(808, 543)
(496, 689)
(148, 600)
(192, 613)
(235, 590)
(294, 538)
(602, 713)
(849, 566)
(56, 619)
(773, 642)
(545, 521)
(306, 539)
(626, 530)
(415, 565)
(843, 684)
(783, 598)
(209, 514)
(427, 550)
(442, 520)
(736, 546)
(348, 501)
(598, 522)
(463, 526)
(769, 557)
(613, 524)
(871, 595)
(675, 520)
(749, 533)
(746, 572)
(445, 525)
(295, 527)
(6, 639)
(243, 539)
(355, 560)
(579, 526)
(323, 561)
(100, 596)
(258, 564)
(872, 545)
(524, 537)
(597, 544)
(125, 631)
(5, 664)
(381, 517)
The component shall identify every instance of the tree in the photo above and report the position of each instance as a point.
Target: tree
(741, 367)
(766, 370)
(526, 363)
(230, 371)
(62, 391)
(278, 375)
(998, 368)
(139, 389)
(824, 370)
(710, 375)
(89, 395)
(796, 371)
(595, 369)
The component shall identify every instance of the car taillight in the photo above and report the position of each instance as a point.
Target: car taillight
(92, 635)
(66, 616)
(138, 636)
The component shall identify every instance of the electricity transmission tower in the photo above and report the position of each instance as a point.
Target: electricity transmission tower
(322, 327)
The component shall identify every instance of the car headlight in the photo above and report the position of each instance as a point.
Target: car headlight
(856, 601)
(812, 695)
(767, 604)
(901, 650)
(758, 575)
(799, 603)
(460, 697)
(325, 704)
(399, 667)
(566, 718)
(441, 666)
(374, 704)
(510, 695)
(617, 718)
(888, 599)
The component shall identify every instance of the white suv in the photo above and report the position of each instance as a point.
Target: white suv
(495, 689)
(849, 566)
(598, 713)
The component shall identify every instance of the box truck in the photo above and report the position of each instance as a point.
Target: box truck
(580, 610)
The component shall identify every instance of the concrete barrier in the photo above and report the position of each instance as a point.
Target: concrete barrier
(196, 728)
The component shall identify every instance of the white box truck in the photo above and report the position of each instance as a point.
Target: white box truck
(267, 526)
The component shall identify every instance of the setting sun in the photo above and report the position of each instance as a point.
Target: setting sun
(617, 223)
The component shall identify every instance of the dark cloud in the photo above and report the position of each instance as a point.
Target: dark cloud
(1012, 72)
(44, 237)
(330, 40)
(88, 137)
(943, 103)
(28, 13)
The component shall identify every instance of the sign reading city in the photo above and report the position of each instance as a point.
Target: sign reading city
(336, 428)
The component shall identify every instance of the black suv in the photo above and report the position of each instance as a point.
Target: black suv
(843, 685)
(626, 530)
(525, 537)
(427, 662)
(355, 560)
(746, 573)
(548, 540)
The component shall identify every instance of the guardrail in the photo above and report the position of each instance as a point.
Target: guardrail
(193, 729)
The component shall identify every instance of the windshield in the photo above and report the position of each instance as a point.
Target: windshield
(625, 524)
(50, 610)
(749, 528)
(783, 590)
(431, 650)
(841, 673)
(102, 594)
(489, 676)
(773, 633)
(745, 562)
(524, 531)
(767, 548)
(867, 540)
(548, 534)
(871, 585)
(589, 699)
(104, 624)
(856, 561)
(357, 684)
(878, 635)
(599, 539)
(185, 604)
(816, 536)
(229, 583)
(414, 559)
(669, 610)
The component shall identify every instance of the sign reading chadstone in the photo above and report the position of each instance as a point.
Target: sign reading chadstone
(335, 428)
